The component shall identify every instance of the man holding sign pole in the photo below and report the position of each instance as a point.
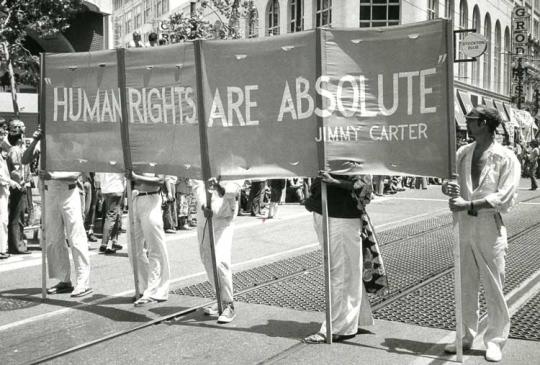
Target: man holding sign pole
(352, 243)
(64, 227)
(487, 186)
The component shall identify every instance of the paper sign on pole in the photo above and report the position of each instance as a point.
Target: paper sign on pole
(162, 112)
(82, 112)
(386, 104)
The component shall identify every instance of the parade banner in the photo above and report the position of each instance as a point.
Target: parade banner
(161, 110)
(259, 97)
(386, 97)
(81, 114)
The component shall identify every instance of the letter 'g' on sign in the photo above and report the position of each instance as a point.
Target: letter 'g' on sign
(474, 45)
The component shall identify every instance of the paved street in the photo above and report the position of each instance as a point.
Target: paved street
(410, 224)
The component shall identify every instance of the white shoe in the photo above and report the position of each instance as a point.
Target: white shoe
(211, 310)
(493, 352)
(451, 348)
(228, 314)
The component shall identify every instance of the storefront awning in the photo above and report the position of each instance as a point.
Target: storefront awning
(459, 114)
(502, 111)
(465, 99)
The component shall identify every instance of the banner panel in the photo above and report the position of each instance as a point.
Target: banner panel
(259, 101)
(162, 113)
(385, 100)
(82, 112)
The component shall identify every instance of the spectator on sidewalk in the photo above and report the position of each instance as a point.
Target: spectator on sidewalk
(356, 266)
(295, 189)
(256, 194)
(5, 184)
(64, 228)
(224, 209)
(533, 156)
(149, 248)
(184, 195)
(112, 190)
(18, 201)
(489, 177)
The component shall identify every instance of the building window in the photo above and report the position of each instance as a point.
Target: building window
(475, 64)
(148, 11)
(487, 56)
(497, 58)
(323, 13)
(296, 8)
(157, 11)
(433, 9)
(506, 62)
(129, 22)
(463, 22)
(272, 17)
(117, 4)
(253, 24)
(164, 6)
(137, 19)
(379, 13)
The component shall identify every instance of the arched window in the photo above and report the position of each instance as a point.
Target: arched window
(323, 13)
(296, 16)
(433, 9)
(476, 64)
(379, 13)
(497, 59)
(272, 16)
(463, 23)
(506, 62)
(487, 56)
(252, 30)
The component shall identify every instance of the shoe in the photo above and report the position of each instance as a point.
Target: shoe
(4, 255)
(211, 310)
(228, 314)
(185, 227)
(109, 251)
(122, 230)
(116, 246)
(493, 352)
(141, 302)
(27, 252)
(532, 188)
(170, 230)
(60, 288)
(91, 237)
(451, 348)
(319, 338)
(77, 293)
(102, 248)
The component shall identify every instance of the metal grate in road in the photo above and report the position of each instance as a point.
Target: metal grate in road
(526, 322)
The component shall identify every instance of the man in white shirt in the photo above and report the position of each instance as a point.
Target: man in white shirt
(112, 191)
(64, 228)
(487, 186)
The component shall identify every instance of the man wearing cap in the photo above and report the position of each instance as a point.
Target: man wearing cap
(64, 228)
(136, 42)
(487, 186)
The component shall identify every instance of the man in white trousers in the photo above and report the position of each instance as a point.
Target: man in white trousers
(487, 186)
(64, 229)
(149, 248)
(351, 234)
(224, 209)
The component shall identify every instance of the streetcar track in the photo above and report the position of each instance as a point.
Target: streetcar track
(173, 317)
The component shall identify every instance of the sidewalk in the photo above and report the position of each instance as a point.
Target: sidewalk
(271, 335)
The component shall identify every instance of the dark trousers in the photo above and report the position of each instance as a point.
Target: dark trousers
(112, 204)
(255, 196)
(18, 203)
(170, 219)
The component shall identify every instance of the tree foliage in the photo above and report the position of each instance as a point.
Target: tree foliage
(212, 19)
(42, 18)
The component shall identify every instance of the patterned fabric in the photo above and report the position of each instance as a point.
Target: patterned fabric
(374, 274)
